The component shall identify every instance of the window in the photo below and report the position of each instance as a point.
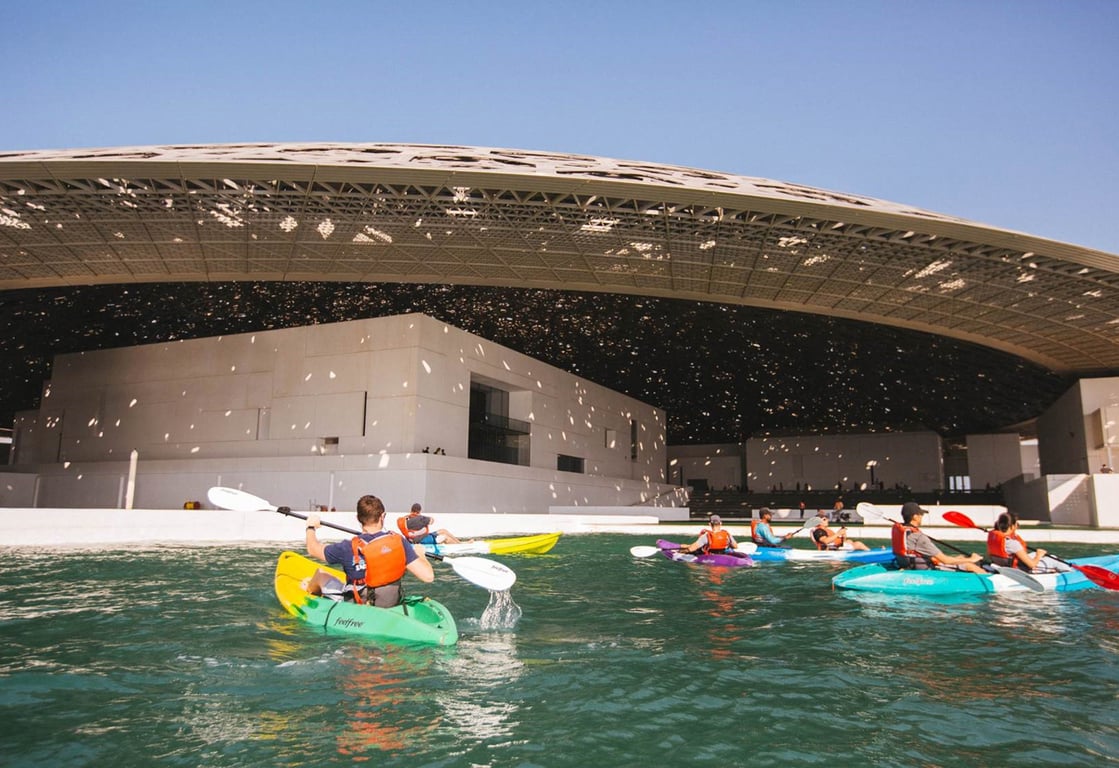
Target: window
(493, 435)
(569, 463)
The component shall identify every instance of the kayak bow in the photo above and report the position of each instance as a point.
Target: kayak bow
(537, 544)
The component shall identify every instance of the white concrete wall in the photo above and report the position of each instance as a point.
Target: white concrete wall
(720, 464)
(993, 459)
(1105, 500)
(260, 407)
(1079, 433)
(914, 459)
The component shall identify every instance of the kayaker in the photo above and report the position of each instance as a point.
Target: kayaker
(713, 541)
(826, 538)
(373, 571)
(416, 527)
(761, 530)
(914, 549)
(1006, 547)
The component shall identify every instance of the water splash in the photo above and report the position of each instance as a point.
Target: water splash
(501, 613)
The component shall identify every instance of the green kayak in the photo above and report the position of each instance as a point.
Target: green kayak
(417, 620)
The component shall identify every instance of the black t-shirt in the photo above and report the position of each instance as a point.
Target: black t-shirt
(417, 522)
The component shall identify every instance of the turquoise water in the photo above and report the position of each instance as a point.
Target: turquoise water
(180, 656)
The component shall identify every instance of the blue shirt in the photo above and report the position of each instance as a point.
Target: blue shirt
(765, 533)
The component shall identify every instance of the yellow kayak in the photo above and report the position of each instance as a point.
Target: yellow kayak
(537, 544)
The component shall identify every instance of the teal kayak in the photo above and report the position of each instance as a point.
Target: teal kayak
(418, 620)
(878, 577)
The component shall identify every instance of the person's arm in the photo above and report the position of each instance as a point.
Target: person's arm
(697, 544)
(925, 546)
(315, 548)
(1022, 553)
(419, 566)
(772, 537)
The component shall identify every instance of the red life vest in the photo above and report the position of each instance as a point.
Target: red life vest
(717, 541)
(754, 531)
(381, 559)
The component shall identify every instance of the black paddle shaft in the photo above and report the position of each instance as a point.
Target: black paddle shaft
(287, 511)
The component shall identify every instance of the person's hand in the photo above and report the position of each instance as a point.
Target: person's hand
(1040, 553)
(313, 521)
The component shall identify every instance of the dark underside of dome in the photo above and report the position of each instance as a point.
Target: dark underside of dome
(722, 373)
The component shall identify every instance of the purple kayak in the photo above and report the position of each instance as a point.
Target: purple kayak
(729, 560)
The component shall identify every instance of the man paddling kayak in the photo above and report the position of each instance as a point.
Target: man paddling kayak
(761, 530)
(713, 540)
(914, 549)
(416, 528)
(374, 562)
(826, 538)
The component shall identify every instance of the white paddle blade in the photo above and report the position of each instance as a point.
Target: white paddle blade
(1020, 576)
(238, 501)
(747, 548)
(868, 511)
(643, 551)
(489, 574)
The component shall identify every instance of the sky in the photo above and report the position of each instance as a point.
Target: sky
(1001, 112)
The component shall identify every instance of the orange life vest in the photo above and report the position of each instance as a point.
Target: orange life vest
(828, 534)
(754, 531)
(717, 541)
(410, 534)
(382, 560)
(903, 555)
(996, 549)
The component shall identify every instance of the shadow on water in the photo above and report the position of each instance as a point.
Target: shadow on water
(181, 656)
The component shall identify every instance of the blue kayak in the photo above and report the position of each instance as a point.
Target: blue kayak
(783, 554)
(889, 580)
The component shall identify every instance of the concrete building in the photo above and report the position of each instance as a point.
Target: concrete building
(406, 407)
(1077, 438)
(1064, 476)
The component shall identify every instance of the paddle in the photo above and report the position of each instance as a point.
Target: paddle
(1094, 573)
(811, 522)
(866, 509)
(488, 574)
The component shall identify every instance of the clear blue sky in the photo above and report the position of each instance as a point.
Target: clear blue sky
(1005, 112)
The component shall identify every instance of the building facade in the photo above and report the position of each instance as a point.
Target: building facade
(407, 407)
